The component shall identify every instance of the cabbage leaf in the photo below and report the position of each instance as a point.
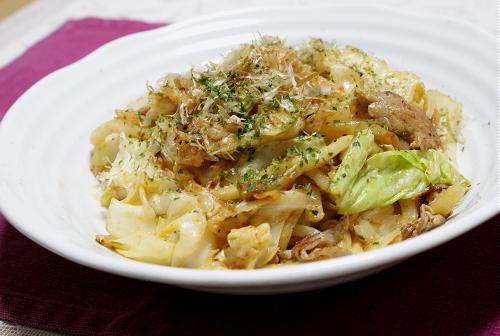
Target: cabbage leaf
(364, 182)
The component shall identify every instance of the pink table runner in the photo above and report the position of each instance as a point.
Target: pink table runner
(450, 290)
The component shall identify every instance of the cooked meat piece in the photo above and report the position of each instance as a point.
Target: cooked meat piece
(427, 221)
(317, 246)
(406, 120)
(322, 244)
(191, 155)
(285, 254)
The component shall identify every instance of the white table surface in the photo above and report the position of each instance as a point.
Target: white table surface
(37, 20)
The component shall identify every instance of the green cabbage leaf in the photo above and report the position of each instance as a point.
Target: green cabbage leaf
(368, 178)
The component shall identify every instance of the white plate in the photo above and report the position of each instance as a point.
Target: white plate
(47, 190)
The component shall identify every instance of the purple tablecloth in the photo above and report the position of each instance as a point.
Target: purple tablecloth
(450, 290)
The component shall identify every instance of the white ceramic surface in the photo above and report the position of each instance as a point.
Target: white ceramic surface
(47, 189)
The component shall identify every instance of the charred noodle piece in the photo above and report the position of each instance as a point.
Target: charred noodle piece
(427, 221)
(406, 120)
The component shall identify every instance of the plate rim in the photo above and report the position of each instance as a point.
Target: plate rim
(236, 278)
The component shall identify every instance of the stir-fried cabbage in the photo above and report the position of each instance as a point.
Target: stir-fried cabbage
(277, 155)
(364, 182)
